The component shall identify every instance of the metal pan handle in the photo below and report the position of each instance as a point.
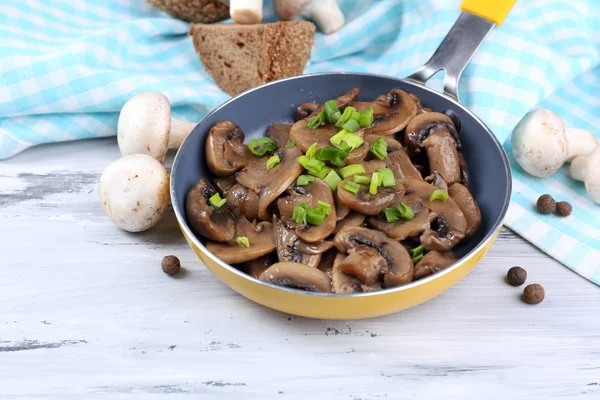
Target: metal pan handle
(472, 27)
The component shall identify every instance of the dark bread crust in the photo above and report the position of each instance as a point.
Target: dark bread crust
(203, 11)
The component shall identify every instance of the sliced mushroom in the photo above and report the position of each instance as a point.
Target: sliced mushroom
(365, 263)
(269, 184)
(391, 113)
(225, 149)
(367, 203)
(437, 180)
(450, 225)
(434, 261)
(352, 219)
(326, 264)
(399, 264)
(279, 133)
(291, 248)
(465, 200)
(372, 165)
(464, 170)
(341, 102)
(442, 154)
(256, 267)
(403, 229)
(224, 182)
(211, 222)
(297, 276)
(420, 127)
(310, 194)
(341, 211)
(401, 165)
(306, 109)
(392, 144)
(340, 282)
(305, 137)
(262, 241)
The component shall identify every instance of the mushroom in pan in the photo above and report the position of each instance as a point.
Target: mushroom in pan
(398, 264)
(145, 126)
(432, 262)
(225, 149)
(214, 222)
(310, 109)
(435, 132)
(291, 248)
(366, 203)
(391, 112)
(240, 199)
(437, 180)
(270, 183)
(465, 201)
(306, 109)
(256, 267)
(341, 282)
(352, 219)
(396, 158)
(279, 133)
(310, 194)
(450, 225)
(259, 241)
(326, 13)
(297, 276)
(327, 260)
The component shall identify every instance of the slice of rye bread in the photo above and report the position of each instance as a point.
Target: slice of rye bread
(241, 57)
(205, 11)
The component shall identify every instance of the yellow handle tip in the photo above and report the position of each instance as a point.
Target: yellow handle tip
(492, 10)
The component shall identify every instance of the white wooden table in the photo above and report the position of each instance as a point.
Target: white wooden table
(86, 312)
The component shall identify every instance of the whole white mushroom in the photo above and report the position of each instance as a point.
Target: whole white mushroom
(540, 143)
(592, 176)
(135, 192)
(578, 168)
(581, 143)
(145, 126)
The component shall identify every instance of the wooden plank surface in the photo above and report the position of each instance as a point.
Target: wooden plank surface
(86, 312)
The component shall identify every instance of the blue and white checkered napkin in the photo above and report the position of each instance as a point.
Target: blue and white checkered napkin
(68, 66)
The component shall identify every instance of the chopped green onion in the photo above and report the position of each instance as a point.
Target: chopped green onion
(273, 161)
(391, 215)
(315, 216)
(333, 180)
(365, 180)
(313, 166)
(351, 126)
(388, 176)
(325, 207)
(332, 111)
(439, 194)
(312, 150)
(261, 146)
(350, 170)
(304, 180)
(347, 115)
(299, 214)
(417, 250)
(351, 187)
(405, 212)
(291, 143)
(417, 258)
(242, 241)
(352, 140)
(217, 201)
(376, 181)
(366, 117)
(317, 121)
(379, 148)
(334, 156)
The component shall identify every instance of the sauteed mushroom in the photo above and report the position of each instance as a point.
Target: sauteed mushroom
(399, 264)
(214, 223)
(225, 149)
(297, 276)
(316, 238)
(261, 240)
(434, 261)
(269, 184)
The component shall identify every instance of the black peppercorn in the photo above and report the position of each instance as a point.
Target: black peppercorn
(516, 276)
(534, 294)
(546, 204)
(170, 265)
(563, 209)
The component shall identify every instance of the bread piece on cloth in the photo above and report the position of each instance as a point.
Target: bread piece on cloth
(241, 57)
(203, 11)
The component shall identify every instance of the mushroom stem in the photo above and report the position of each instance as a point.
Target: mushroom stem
(592, 176)
(246, 11)
(179, 131)
(578, 168)
(326, 14)
(581, 143)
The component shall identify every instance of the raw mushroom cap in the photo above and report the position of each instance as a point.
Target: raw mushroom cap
(269, 184)
(211, 222)
(261, 240)
(297, 276)
(225, 149)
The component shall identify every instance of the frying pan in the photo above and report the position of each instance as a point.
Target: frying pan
(256, 109)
